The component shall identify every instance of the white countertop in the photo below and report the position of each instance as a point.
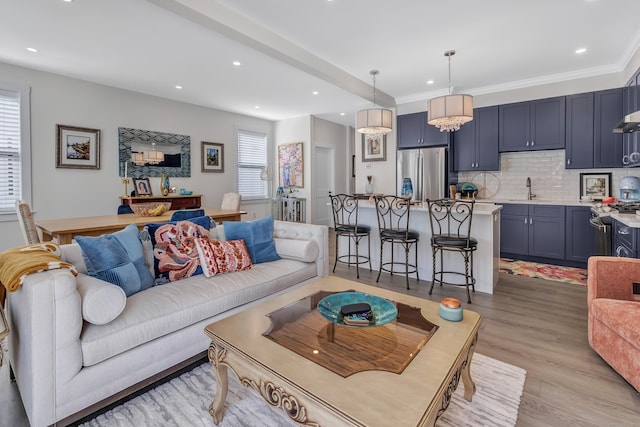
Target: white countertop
(540, 202)
(481, 207)
(630, 220)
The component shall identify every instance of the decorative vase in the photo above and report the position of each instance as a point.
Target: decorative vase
(407, 188)
(368, 188)
(164, 184)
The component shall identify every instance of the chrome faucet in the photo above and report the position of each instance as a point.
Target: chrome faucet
(529, 195)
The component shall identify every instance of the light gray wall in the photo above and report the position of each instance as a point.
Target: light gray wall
(63, 193)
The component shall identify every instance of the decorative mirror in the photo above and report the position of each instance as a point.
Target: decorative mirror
(151, 154)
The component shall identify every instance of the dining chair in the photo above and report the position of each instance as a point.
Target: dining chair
(345, 220)
(27, 224)
(124, 209)
(393, 214)
(184, 214)
(450, 221)
(231, 201)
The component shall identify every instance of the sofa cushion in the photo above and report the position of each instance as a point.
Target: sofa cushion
(174, 249)
(117, 258)
(300, 250)
(620, 316)
(257, 235)
(101, 301)
(222, 257)
(161, 310)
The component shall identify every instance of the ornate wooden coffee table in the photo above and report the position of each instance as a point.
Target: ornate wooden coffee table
(399, 374)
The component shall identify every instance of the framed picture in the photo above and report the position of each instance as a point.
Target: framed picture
(291, 165)
(374, 148)
(596, 185)
(212, 157)
(142, 186)
(77, 148)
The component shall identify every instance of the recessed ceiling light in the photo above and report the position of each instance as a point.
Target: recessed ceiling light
(581, 50)
(67, 1)
(178, 87)
(315, 92)
(237, 63)
(429, 82)
(342, 114)
(257, 107)
(32, 49)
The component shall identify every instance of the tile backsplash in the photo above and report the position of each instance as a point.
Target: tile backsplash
(550, 181)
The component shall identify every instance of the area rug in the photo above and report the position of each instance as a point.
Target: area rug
(557, 273)
(184, 401)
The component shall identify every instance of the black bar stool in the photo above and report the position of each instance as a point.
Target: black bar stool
(393, 223)
(345, 220)
(451, 231)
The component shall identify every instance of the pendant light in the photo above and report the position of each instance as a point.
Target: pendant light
(374, 120)
(449, 112)
(154, 157)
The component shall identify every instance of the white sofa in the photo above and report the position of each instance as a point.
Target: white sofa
(66, 367)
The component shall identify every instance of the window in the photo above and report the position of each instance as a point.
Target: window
(15, 159)
(252, 158)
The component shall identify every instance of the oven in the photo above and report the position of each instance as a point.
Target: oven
(601, 222)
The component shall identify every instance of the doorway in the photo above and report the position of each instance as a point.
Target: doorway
(324, 184)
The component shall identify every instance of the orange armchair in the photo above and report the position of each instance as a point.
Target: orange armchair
(614, 315)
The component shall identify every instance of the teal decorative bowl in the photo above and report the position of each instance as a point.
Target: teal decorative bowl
(384, 311)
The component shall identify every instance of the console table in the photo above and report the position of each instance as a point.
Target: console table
(177, 202)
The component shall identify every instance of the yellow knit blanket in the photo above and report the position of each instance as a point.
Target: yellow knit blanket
(17, 263)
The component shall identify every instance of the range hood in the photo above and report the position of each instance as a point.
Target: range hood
(631, 123)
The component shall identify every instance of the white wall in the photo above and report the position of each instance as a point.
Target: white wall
(62, 193)
(383, 172)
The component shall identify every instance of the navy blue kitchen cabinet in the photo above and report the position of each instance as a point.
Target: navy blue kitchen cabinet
(608, 146)
(580, 236)
(625, 240)
(414, 132)
(533, 230)
(579, 131)
(476, 143)
(590, 118)
(631, 103)
(533, 125)
(514, 229)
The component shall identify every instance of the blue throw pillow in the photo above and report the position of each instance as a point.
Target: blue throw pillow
(117, 258)
(257, 236)
(174, 250)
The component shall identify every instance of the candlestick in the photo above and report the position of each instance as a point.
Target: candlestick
(125, 181)
(125, 170)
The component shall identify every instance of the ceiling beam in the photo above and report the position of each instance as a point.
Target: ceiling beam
(215, 17)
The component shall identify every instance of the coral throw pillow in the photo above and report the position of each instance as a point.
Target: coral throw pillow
(174, 249)
(218, 257)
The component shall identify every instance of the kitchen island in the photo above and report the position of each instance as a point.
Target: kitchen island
(485, 227)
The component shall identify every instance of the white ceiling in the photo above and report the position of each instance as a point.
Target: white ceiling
(290, 48)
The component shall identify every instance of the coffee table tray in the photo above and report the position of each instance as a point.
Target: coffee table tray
(347, 350)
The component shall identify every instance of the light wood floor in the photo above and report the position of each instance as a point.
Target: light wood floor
(538, 325)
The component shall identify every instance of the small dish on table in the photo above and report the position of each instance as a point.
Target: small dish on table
(383, 310)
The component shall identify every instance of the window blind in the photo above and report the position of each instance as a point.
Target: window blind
(10, 143)
(252, 158)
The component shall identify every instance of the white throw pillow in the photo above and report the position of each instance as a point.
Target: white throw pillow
(102, 302)
(298, 250)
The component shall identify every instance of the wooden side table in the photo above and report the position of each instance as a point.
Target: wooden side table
(4, 331)
(193, 201)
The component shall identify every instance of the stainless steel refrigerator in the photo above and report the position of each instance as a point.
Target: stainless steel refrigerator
(427, 169)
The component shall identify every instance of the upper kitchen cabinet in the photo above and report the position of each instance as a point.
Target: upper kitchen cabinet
(608, 147)
(590, 142)
(533, 125)
(579, 131)
(414, 132)
(475, 145)
(631, 103)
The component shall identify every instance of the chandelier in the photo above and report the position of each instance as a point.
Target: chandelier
(374, 120)
(154, 157)
(449, 112)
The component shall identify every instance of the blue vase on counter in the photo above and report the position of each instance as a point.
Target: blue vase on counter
(407, 188)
